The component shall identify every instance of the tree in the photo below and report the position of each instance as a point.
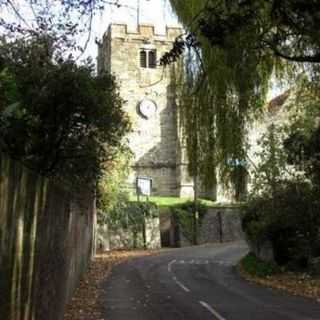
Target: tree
(240, 44)
(287, 29)
(58, 118)
(67, 23)
(303, 132)
(283, 206)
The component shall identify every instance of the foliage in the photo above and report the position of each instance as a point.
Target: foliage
(58, 117)
(289, 219)
(131, 214)
(184, 215)
(284, 203)
(272, 168)
(112, 194)
(287, 29)
(303, 132)
(115, 206)
(224, 92)
(200, 143)
(256, 267)
(138, 211)
(239, 45)
(67, 23)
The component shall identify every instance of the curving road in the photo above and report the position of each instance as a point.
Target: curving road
(197, 283)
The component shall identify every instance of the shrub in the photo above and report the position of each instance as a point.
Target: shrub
(58, 117)
(256, 267)
(131, 214)
(290, 219)
(184, 216)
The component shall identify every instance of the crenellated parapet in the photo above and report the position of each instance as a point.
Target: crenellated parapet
(144, 32)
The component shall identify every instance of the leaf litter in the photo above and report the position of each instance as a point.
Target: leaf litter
(86, 303)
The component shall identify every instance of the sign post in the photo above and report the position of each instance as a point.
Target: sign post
(143, 187)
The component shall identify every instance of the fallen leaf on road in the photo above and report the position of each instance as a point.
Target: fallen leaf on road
(294, 283)
(86, 304)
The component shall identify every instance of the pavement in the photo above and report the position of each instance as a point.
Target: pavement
(197, 283)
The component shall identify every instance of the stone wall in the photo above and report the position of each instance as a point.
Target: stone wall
(219, 224)
(166, 228)
(263, 251)
(46, 242)
(110, 238)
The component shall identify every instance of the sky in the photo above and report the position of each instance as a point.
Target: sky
(156, 12)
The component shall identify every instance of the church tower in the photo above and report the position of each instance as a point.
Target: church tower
(148, 90)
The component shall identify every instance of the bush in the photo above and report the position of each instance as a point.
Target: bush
(131, 214)
(256, 267)
(184, 216)
(58, 117)
(290, 220)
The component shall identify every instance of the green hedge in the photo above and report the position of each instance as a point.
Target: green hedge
(184, 215)
(131, 214)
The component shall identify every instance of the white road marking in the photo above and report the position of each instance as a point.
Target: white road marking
(170, 264)
(182, 286)
(210, 309)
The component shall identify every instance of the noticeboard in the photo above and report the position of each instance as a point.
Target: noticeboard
(144, 186)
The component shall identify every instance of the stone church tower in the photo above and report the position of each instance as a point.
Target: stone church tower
(149, 93)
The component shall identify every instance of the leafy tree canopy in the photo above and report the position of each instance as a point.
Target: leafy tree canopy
(56, 116)
(286, 28)
(239, 45)
(67, 22)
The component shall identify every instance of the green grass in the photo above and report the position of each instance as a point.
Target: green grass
(162, 201)
(172, 201)
(258, 268)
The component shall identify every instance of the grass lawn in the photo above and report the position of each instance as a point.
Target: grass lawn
(162, 201)
(171, 201)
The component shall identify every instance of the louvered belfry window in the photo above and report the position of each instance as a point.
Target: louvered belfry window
(152, 59)
(148, 58)
(143, 59)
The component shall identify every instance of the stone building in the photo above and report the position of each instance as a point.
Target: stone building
(149, 94)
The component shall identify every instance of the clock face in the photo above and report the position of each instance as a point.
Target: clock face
(147, 108)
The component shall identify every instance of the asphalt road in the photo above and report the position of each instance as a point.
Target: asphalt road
(197, 283)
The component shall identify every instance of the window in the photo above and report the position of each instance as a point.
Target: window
(148, 59)
(143, 59)
(152, 59)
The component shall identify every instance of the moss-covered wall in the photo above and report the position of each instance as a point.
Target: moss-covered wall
(218, 224)
(46, 241)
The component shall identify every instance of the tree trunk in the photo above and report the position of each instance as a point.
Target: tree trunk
(195, 213)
